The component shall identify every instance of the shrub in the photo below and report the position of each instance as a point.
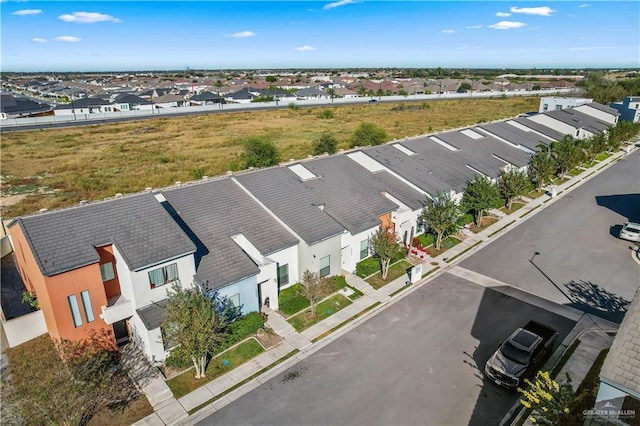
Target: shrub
(325, 114)
(291, 301)
(367, 267)
(339, 281)
(325, 143)
(242, 328)
(293, 106)
(260, 152)
(368, 134)
(178, 359)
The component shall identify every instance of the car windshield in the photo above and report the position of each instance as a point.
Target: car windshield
(515, 354)
(632, 229)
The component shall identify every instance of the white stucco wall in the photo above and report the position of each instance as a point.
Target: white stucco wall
(596, 113)
(309, 256)
(149, 341)
(351, 249)
(554, 124)
(288, 256)
(135, 286)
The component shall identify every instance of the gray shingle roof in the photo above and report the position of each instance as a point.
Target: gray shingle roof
(622, 365)
(431, 169)
(540, 128)
(603, 108)
(578, 120)
(144, 233)
(214, 211)
(289, 200)
(353, 195)
(530, 140)
(152, 316)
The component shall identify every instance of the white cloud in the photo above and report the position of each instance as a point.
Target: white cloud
(507, 25)
(585, 5)
(26, 12)
(338, 4)
(448, 31)
(241, 34)
(305, 48)
(541, 11)
(473, 27)
(503, 14)
(38, 40)
(68, 39)
(88, 18)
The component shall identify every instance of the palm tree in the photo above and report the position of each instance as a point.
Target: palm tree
(332, 92)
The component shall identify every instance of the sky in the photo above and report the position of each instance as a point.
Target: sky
(212, 35)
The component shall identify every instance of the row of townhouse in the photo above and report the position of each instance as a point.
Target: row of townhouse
(109, 264)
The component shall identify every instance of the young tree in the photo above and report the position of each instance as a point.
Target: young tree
(543, 167)
(332, 93)
(385, 247)
(368, 134)
(548, 399)
(315, 287)
(325, 143)
(512, 183)
(66, 382)
(259, 152)
(567, 154)
(441, 214)
(479, 195)
(194, 321)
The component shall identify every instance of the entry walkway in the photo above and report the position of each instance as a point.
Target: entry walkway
(297, 346)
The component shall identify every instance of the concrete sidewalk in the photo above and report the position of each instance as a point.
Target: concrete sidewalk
(297, 346)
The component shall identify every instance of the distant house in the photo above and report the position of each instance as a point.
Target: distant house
(312, 93)
(207, 98)
(629, 108)
(170, 101)
(129, 102)
(18, 106)
(242, 96)
(552, 103)
(93, 105)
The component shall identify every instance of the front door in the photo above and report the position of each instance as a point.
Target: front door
(121, 332)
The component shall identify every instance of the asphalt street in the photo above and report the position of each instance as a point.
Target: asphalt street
(581, 262)
(416, 363)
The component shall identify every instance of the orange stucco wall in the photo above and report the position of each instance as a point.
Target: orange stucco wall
(385, 221)
(111, 287)
(52, 292)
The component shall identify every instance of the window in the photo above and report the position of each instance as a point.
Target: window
(235, 299)
(325, 266)
(88, 309)
(75, 310)
(283, 275)
(558, 107)
(364, 248)
(164, 275)
(106, 270)
(545, 107)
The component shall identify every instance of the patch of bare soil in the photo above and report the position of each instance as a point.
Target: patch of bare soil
(268, 338)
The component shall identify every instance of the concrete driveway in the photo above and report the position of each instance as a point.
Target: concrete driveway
(580, 262)
(417, 362)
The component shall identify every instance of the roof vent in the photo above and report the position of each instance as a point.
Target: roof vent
(148, 189)
(119, 195)
(43, 210)
(229, 172)
(84, 202)
(205, 177)
(178, 183)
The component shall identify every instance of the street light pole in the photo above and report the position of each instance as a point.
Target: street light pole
(547, 276)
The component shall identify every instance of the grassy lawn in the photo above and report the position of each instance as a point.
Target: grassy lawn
(368, 266)
(396, 270)
(325, 309)
(515, 206)
(575, 172)
(603, 156)
(185, 383)
(535, 194)
(486, 222)
(95, 162)
(291, 301)
(425, 239)
(447, 243)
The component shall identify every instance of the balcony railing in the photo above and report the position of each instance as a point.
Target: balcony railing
(118, 308)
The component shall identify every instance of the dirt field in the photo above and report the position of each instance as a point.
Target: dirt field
(59, 167)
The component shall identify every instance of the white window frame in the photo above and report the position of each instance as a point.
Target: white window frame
(280, 281)
(364, 251)
(326, 273)
(106, 271)
(88, 307)
(167, 279)
(75, 310)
